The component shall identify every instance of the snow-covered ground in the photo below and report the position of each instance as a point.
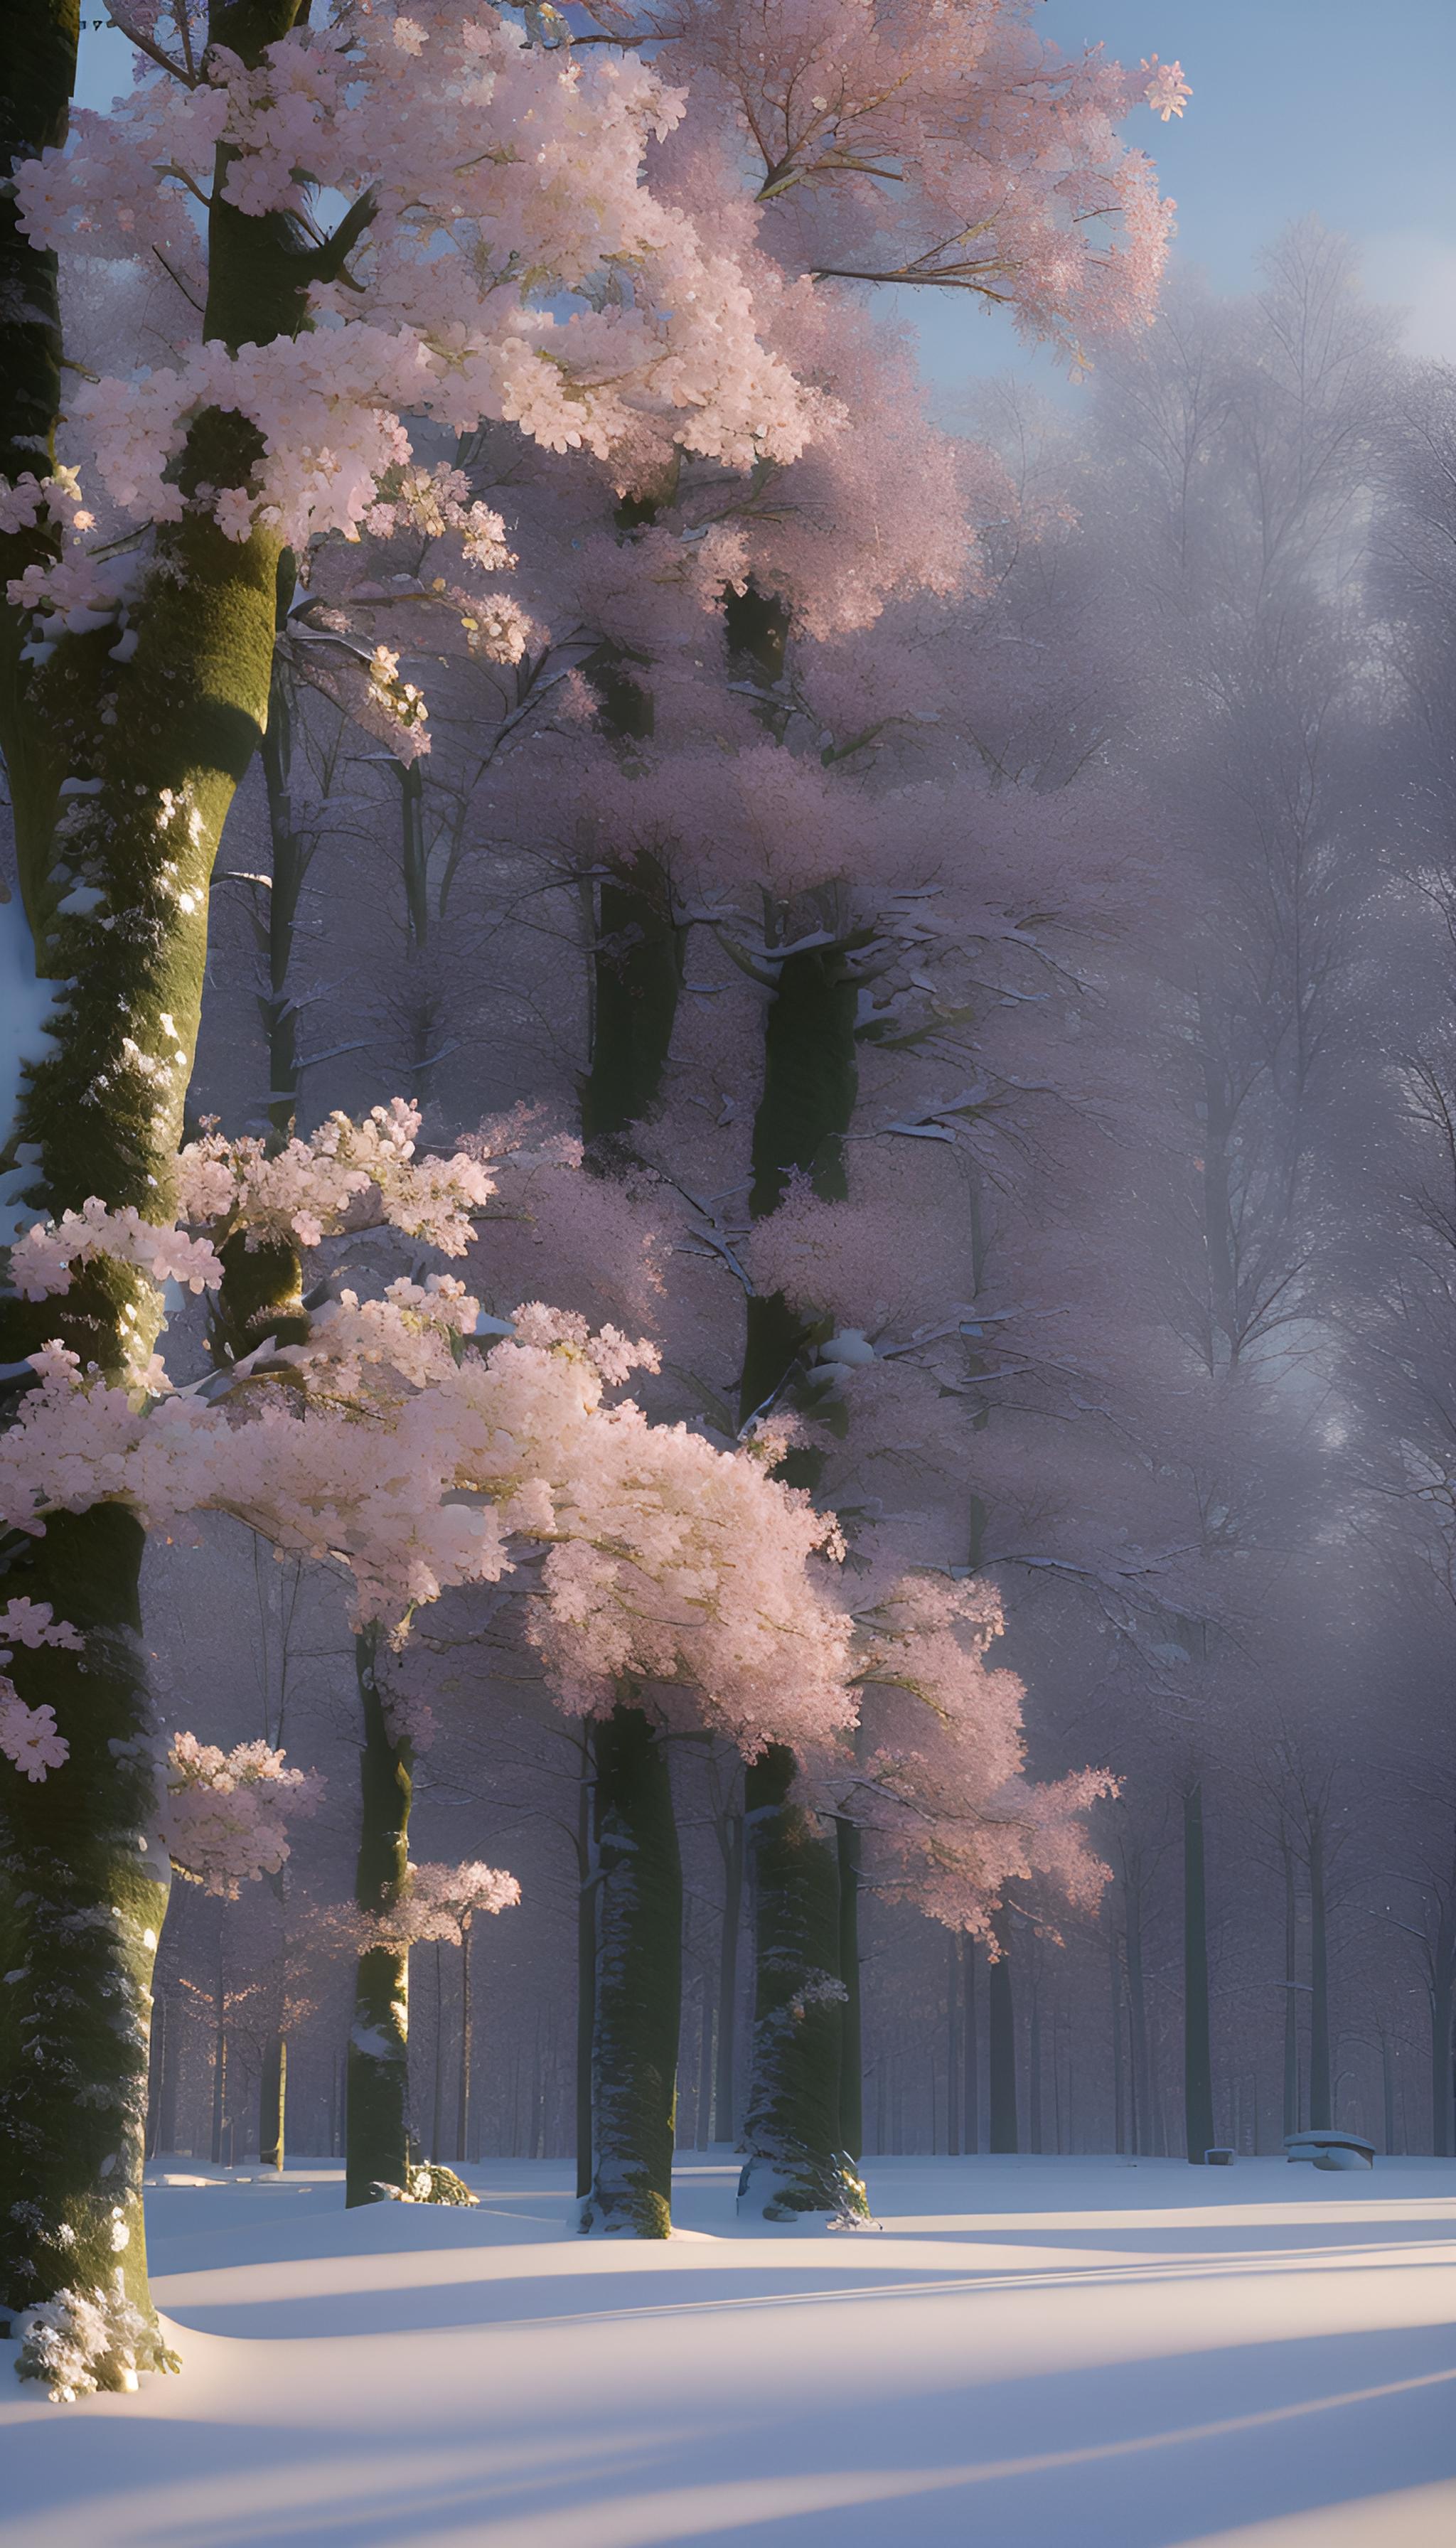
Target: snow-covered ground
(1031, 2353)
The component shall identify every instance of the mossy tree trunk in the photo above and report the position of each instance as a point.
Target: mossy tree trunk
(795, 2164)
(85, 1882)
(277, 904)
(159, 744)
(377, 2138)
(629, 1904)
(806, 1888)
(638, 1978)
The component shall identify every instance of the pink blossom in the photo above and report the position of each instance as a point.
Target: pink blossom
(27, 1735)
(1167, 90)
(225, 1813)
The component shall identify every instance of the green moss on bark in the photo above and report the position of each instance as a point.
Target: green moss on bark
(83, 1887)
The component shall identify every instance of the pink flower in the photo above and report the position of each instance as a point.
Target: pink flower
(1166, 89)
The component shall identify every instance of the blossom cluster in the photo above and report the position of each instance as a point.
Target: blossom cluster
(345, 1175)
(418, 123)
(436, 1903)
(27, 1735)
(1167, 91)
(960, 1822)
(412, 1462)
(225, 1814)
(43, 1257)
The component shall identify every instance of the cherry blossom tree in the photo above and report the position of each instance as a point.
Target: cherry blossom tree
(138, 642)
(558, 300)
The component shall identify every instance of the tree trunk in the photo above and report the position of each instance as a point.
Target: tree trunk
(1002, 2043)
(161, 2029)
(462, 2112)
(1033, 2060)
(82, 1901)
(953, 2044)
(438, 2099)
(638, 1979)
(848, 1850)
(702, 2134)
(167, 737)
(377, 2136)
(171, 2071)
(1442, 2008)
(1142, 2097)
(220, 2070)
(272, 2102)
(277, 925)
(971, 2123)
(729, 1829)
(798, 2101)
(1118, 2083)
(1291, 2000)
(795, 2164)
(1320, 2097)
(1198, 2059)
(586, 1881)
(636, 984)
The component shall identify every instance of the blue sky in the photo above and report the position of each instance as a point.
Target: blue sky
(1343, 107)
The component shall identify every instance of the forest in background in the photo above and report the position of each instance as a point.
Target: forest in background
(1230, 579)
(907, 977)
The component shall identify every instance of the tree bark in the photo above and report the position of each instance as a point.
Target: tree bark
(638, 1979)
(703, 2121)
(277, 924)
(1197, 2062)
(1443, 2067)
(848, 1851)
(1002, 2043)
(272, 2102)
(1442, 2010)
(1118, 2083)
(971, 2109)
(1320, 2095)
(82, 1897)
(1143, 2122)
(729, 1828)
(637, 983)
(377, 2133)
(586, 1974)
(462, 2112)
(952, 2043)
(167, 737)
(795, 2164)
(1291, 2002)
(219, 2065)
(1033, 2060)
(437, 2098)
